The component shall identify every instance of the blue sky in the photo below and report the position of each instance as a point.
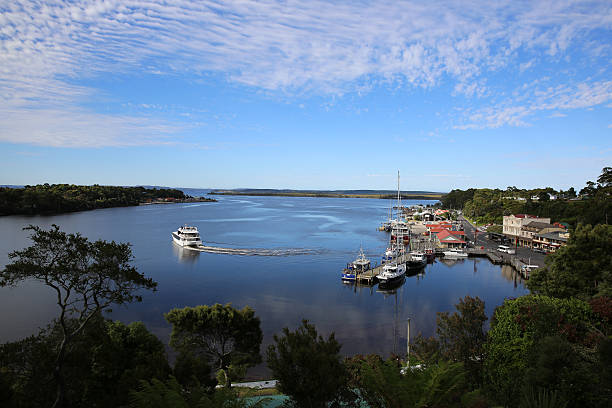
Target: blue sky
(306, 94)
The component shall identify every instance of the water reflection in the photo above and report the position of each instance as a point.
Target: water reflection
(187, 256)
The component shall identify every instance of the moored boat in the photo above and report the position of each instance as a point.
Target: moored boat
(455, 253)
(186, 236)
(417, 260)
(391, 273)
(359, 265)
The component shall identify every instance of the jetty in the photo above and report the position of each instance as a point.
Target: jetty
(369, 277)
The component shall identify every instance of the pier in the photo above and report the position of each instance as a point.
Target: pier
(369, 277)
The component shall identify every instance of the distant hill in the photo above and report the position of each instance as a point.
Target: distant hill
(385, 194)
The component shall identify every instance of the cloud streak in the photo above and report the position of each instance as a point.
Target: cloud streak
(291, 47)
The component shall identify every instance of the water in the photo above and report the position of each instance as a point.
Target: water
(282, 290)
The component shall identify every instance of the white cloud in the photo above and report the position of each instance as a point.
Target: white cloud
(292, 47)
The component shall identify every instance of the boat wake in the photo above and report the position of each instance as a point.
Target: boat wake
(254, 251)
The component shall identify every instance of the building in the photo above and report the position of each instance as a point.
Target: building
(550, 241)
(513, 224)
(528, 231)
(450, 239)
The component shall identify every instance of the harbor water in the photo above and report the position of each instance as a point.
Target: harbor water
(303, 284)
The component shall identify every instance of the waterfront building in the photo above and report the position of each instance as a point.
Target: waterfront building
(513, 224)
(450, 239)
(528, 231)
(550, 241)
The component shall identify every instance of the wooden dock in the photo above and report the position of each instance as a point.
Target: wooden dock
(369, 276)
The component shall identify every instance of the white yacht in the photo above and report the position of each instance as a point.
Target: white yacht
(392, 272)
(187, 236)
(455, 253)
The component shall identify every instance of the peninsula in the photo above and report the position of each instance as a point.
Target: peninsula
(45, 199)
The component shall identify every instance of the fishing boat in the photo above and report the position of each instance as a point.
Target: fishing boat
(187, 236)
(417, 260)
(391, 273)
(359, 265)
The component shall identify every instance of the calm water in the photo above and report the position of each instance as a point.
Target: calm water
(282, 290)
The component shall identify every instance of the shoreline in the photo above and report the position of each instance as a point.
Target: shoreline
(404, 196)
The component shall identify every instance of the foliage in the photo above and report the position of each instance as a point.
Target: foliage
(582, 268)
(229, 339)
(61, 198)
(533, 398)
(308, 368)
(485, 206)
(520, 333)
(462, 336)
(170, 394)
(87, 278)
(382, 384)
(102, 365)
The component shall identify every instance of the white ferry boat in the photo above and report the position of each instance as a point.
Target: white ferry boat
(187, 236)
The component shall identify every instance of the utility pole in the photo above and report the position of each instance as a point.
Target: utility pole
(408, 345)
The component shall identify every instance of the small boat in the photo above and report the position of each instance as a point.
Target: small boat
(391, 273)
(455, 253)
(417, 260)
(359, 265)
(187, 236)
(430, 255)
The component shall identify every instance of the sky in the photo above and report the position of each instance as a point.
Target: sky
(306, 94)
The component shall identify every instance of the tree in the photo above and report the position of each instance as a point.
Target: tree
(530, 338)
(87, 278)
(105, 362)
(582, 268)
(229, 339)
(462, 336)
(571, 193)
(605, 179)
(308, 367)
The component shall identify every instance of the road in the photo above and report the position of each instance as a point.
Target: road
(526, 255)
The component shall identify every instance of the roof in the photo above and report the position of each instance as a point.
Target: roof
(556, 235)
(538, 224)
(448, 236)
(524, 216)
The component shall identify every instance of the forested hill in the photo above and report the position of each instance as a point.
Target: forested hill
(62, 198)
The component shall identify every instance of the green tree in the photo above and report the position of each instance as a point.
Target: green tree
(462, 336)
(229, 339)
(582, 268)
(171, 394)
(87, 278)
(308, 368)
(605, 179)
(105, 362)
(383, 384)
(529, 340)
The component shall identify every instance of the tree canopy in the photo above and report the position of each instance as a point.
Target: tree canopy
(531, 337)
(229, 339)
(60, 198)
(308, 367)
(582, 268)
(87, 277)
